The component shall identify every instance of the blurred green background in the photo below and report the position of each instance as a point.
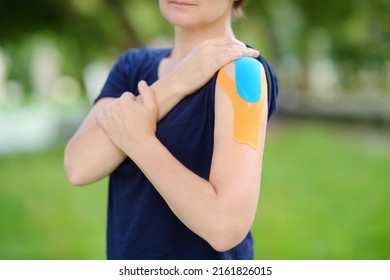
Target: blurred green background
(326, 183)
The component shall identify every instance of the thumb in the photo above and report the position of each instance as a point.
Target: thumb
(147, 95)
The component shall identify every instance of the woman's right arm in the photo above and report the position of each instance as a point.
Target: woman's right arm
(90, 155)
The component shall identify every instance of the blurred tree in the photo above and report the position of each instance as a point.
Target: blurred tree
(21, 17)
(118, 8)
(358, 31)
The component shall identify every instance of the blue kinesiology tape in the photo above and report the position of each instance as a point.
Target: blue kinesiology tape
(248, 83)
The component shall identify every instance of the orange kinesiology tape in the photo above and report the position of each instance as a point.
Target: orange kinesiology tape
(247, 115)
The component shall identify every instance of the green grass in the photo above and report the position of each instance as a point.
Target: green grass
(325, 195)
(43, 216)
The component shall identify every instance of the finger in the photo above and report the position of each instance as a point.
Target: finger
(251, 52)
(139, 99)
(147, 95)
(224, 59)
(244, 50)
(226, 41)
(126, 100)
(231, 55)
(238, 42)
(127, 96)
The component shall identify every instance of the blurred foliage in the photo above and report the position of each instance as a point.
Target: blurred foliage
(355, 34)
(324, 196)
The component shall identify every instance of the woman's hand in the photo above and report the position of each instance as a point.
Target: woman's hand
(195, 70)
(198, 67)
(129, 122)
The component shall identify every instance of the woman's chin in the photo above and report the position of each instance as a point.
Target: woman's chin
(182, 21)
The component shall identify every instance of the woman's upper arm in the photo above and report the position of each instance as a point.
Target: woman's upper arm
(90, 155)
(239, 135)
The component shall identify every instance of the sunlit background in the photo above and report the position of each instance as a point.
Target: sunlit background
(326, 178)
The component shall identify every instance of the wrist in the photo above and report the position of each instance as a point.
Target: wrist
(172, 84)
(179, 84)
(140, 150)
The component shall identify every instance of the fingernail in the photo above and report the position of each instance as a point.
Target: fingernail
(142, 84)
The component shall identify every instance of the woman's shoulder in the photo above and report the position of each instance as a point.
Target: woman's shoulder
(273, 87)
(135, 59)
(267, 67)
(247, 72)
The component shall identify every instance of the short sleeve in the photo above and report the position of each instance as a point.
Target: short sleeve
(118, 79)
(273, 88)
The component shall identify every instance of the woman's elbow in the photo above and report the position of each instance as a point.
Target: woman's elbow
(74, 176)
(76, 180)
(74, 172)
(228, 238)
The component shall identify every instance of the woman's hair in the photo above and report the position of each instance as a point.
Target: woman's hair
(237, 8)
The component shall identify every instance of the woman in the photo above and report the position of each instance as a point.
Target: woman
(184, 155)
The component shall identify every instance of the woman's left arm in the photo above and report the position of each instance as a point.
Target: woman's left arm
(220, 210)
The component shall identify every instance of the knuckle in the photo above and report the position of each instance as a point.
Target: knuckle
(231, 55)
(127, 95)
(238, 42)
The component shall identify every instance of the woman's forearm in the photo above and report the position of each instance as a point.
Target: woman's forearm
(212, 215)
(91, 156)
(168, 92)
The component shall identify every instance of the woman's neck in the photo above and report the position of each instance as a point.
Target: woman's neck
(187, 39)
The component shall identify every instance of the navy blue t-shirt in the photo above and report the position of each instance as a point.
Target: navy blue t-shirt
(140, 224)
